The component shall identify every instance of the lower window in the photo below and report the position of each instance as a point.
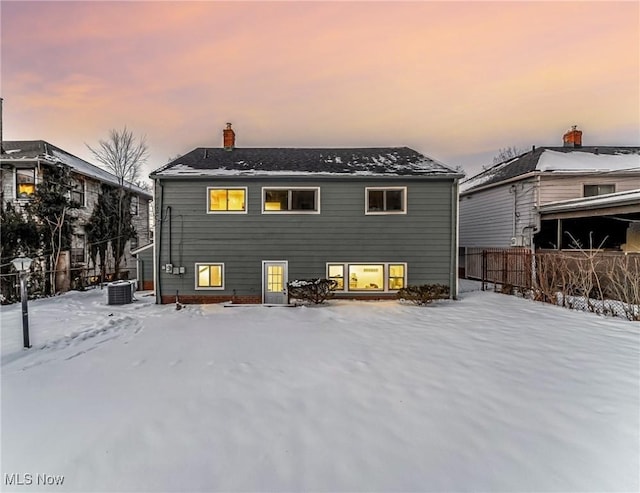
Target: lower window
(367, 277)
(209, 276)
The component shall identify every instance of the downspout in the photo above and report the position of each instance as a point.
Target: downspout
(157, 243)
(534, 230)
(453, 275)
(513, 189)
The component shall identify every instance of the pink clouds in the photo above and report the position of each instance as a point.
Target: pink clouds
(447, 78)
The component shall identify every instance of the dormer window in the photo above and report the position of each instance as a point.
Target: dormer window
(25, 183)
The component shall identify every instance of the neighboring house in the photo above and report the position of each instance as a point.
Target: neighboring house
(144, 266)
(522, 202)
(614, 218)
(236, 224)
(22, 165)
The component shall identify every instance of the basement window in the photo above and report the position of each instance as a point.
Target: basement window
(368, 277)
(25, 183)
(592, 190)
(209, 276)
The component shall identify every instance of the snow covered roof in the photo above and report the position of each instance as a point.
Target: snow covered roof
(630, 197)
(558, 160)
(387, 161)
(31, 150)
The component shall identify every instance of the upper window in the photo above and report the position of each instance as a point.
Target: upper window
(392, 200)
(591, 190)
(25, 183)
(298, 200)
(227, 199)
(77, 193)
(135, 205)
(209, 276)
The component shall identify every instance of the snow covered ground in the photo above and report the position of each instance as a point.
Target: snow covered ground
(489, 393)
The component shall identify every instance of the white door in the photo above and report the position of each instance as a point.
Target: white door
(274, 282)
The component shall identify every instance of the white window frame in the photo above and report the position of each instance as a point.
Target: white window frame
(15, 181)
(246, 200)
(290, 189)
(209, 288)
(385, 273)
(384, 213)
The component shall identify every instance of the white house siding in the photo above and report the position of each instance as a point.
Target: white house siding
(565, 187)
(490, 218)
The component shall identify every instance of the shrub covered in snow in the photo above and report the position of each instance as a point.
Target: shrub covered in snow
(312, 290)
(424, 294)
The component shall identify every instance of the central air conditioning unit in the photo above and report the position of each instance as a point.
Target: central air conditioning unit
(120, 292)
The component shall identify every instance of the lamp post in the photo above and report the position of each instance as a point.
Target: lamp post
(22, 265)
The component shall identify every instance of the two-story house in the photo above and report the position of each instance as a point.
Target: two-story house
(235, 224)
(22, 164)
(566, 197)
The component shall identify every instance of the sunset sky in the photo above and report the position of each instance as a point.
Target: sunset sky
(454, 80)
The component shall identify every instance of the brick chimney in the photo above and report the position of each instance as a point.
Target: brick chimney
(228, 138)
(573, 138)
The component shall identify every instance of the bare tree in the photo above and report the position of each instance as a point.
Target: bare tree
(122, 154)
(507, 153)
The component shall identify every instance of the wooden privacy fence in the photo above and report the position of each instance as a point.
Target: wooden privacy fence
(605, 282)
(508, 267)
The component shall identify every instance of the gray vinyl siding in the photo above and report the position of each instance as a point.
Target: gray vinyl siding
(490, 218)
(340, 233)
(555, 188)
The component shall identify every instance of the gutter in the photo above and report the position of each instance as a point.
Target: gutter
(306, 176)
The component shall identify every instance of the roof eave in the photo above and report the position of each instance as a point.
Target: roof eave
(336, 176)
(479, 188)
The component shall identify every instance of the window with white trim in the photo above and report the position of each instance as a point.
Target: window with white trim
(362, 277)
(385, 200)
(303, 200)
(25, 183)
(335, 272)
(226, 200)
(209, 276)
